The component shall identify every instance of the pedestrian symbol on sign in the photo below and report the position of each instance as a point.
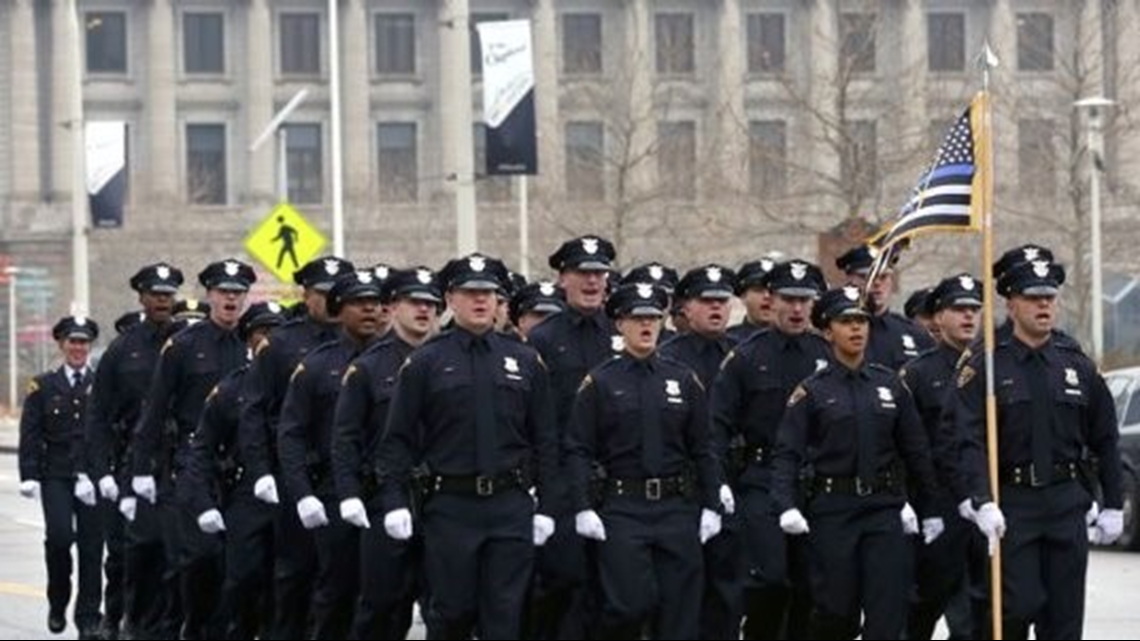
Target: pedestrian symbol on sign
(288, 236)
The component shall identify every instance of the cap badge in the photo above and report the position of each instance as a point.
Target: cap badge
(967, 283)
(478, 263)
(851, 293)
(590, 245)
(766, 264)
(424, 276)
(714, 274)
(365, 278)
(163, 272)
(232, 268)
(332, 267)
(273, 307)
(547, 289)
(645, 290)
(1031, 253)
(1041, 268)
(799, 271)
(656, 272)
(382, 272)
(80, 321)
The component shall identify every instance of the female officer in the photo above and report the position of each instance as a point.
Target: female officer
(53, 465)
(643, 421)
(855, 426)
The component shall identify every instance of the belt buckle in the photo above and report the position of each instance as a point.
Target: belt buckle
(1034, 481)
(653, 489)
(484, 485)
(860, 488)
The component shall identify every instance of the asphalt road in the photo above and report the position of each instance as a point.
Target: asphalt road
(1112, 612)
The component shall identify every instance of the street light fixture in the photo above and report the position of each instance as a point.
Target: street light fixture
(1095, 106)
(12, 272)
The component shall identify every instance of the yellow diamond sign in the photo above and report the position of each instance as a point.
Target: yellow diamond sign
(284, 242)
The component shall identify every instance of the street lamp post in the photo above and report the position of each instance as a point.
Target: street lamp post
(1093, 128)
(13, 358)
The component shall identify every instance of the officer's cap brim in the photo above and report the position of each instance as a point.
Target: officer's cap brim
(1038, 290)
(478, 285)
(797, 292)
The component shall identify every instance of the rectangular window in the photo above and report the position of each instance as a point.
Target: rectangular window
(768, 158)
(395, 43)
(675, 42)
(582, 43)
(860, 163)
(203, 43)
(585, 161)
(766, 46)
(1034, 41)
(857, 42)
(488, 188)
(399, 169)
(946, 41)
(1036, 172)
(305, 162)
(106, 41)
(206, 164)
(677, 159)
(476, 45)
(300, 40)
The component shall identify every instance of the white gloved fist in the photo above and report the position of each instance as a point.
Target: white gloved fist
(543, 528)
(398, 524)
(932, 528)
(312, 513)
(211, 522)
(710, 525)
(30, 489)
(353, 512)
(909, 519)
(128, 507)
(265, 490)
(793, 522)
(966, 510)
(991, 522)
(727, 500)
(108, 488)
(589, 525)
(1109, 526)
(84, 490)
(143, 487)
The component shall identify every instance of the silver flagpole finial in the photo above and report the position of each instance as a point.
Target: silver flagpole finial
(987, 59)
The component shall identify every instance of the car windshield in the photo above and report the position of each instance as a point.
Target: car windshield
(1121, 388)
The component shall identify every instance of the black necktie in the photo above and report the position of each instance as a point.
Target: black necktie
(1037, 378)
(486, 438)
(866, 468)
(76, 379)
(650, 397)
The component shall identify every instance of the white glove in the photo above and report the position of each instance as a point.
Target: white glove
(398, 524)
(30, 489)
(543, 527)
(793, 522)
(84, 490)
(589, 525)
(710, 523)
(909, 519)
(991, 522)
(966, 511)
(353, 512)
(265, 489)
(128, 506)
(211, 522)
(108, 488)
(143, 487)
(1109, 526)
(727, 500)
(932, 528)
(312, 512)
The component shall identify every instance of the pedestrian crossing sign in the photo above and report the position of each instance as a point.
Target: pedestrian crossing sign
(284, 242)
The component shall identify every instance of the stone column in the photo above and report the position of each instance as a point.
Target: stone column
(357, 128)
(25, 102)
(551, 148)
(911, 131)
(730, 146)
(162, 128)
(457, 118)
(63, 56)
(259, 101)
(636, 81)
(823, 108)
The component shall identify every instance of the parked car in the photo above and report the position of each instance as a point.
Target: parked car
(1125, 387)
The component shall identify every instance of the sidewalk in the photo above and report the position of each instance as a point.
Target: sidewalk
(9, 435)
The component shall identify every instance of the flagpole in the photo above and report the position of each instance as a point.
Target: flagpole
(80, 276)
(987, 61)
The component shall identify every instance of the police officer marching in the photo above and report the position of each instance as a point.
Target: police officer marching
(473, 406)
(747, 400)
(53, 468)
(304, 446)
(1054, 412)
(664, 277)
(856, 426)
(642, 420)
(534, 303)
(391, 575)
(134, 599)
(753, 291)
(190, 365)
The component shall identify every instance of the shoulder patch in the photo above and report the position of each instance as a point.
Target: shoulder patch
(167, 345)
(798, 395)
(965, 357)
(261, 347)
(297, 372)
(586, 382)
(212, 394)
(33, 386)
(347, 374)
(965, 375)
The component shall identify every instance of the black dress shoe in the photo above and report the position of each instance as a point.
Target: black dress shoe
(57, 622)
